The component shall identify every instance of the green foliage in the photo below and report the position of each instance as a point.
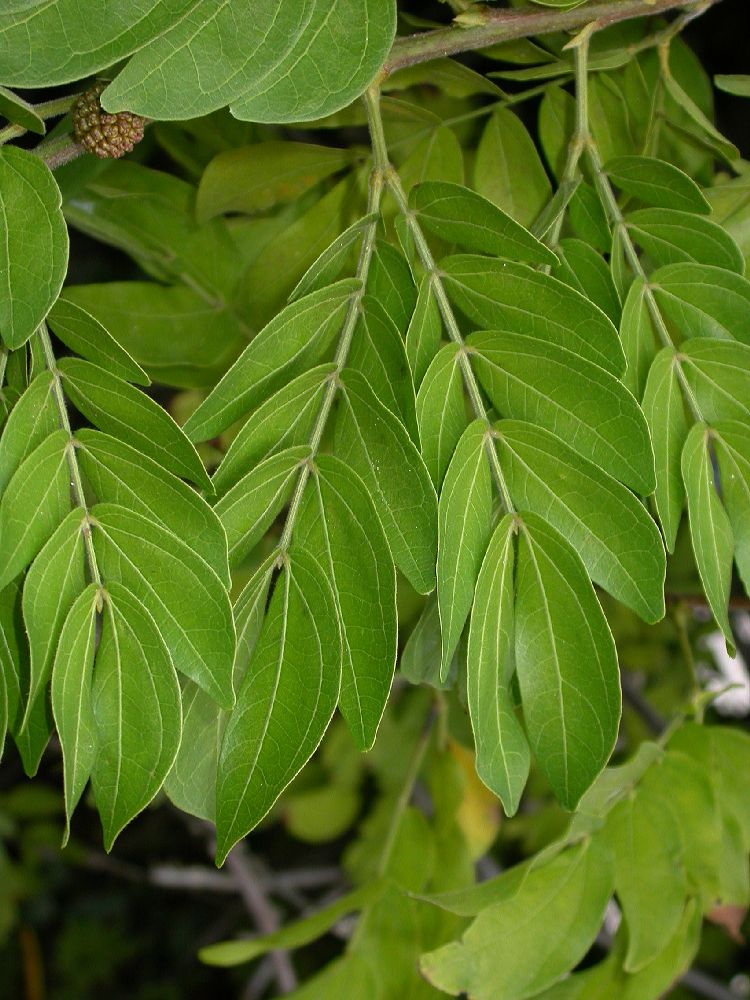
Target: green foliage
(354, 404)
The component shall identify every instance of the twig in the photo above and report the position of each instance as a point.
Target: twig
(486, 27)
(737, 603)
(705, 986)
(262, 912)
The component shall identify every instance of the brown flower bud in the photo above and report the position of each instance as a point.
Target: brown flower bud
(104, 135)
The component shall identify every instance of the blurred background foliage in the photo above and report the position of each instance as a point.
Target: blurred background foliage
(174, 262)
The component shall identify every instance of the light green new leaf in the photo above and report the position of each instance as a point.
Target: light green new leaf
(33, 242)
(297, 338)
(498, 295)
(710, 530)
(34, 417)
(285, 703)
(704, 301)
(327, 267)
(56, 578)
(588, 408)
(191, 784)
(20, 112)
(120, 474)
(35, 502)
(186, 598)
(178, 337)
(86, 336)
(259, 177)
(658, 183)
(664, 410)
(650, 881)
(283, 421)
(294, 935)
(502, 751)
(609, 528)
(459, 215)
(136, 704)
(584, 269)
(718, 372)
(338, 520)
(508, 170)
(116, 408)
(72, 705)
(374, 442)
(464, 528)
(705, 129)
(441, 412)
(281, 63)
(670, 236)
(377, 352)
(638, 339)
(566, 663)
(562, 903)
(733, 83)
(251, 506)
(732, 444)
(424, 333)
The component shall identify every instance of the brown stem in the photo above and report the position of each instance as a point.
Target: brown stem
(489, 27)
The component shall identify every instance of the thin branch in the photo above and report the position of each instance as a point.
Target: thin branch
(481, 28)
(737, 603)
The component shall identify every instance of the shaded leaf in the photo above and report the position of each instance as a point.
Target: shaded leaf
(424, 333)
(441, 412)
(34, 417)
(656, 182)
(704, 301)
(86, 336)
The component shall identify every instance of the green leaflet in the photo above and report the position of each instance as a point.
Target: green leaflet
(502, 751)
(638, 340)
(587, 218)
(497, 295)
(699, 123)
(294, 935)
(609, 528)
(338, 520)
(438, 156)
(3, 713)
(35, 502)
(285, 703)
(285, 420)
(587, 407)
(185, 597)
(178, 337)
(13, 660)
(120, 474)
(326, 268)
(733, 83)
(664, 410)
(556, 123)
(508, 169)
(584, 269)
(85, 335)
(732, 445)
(464, 527)
(656, 182)
(441, 411)
(191, 784)
(115, 407)
(296, 338)
(390, 282)
(136, 703)
(704, 301)
(376, 445)
(251, 506)
(33, 242)
(564, 902)
(259, 177)
(377, 352)
(276, 64)
(424, 333)
(419, 662)
(31, 421)
(566, 663)
(718, 372)
(555, 208)
(650, 880)
(710, 530)
(53, 583)
(447, 75)
(459, 215)
(72, 704)
(669, 236)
